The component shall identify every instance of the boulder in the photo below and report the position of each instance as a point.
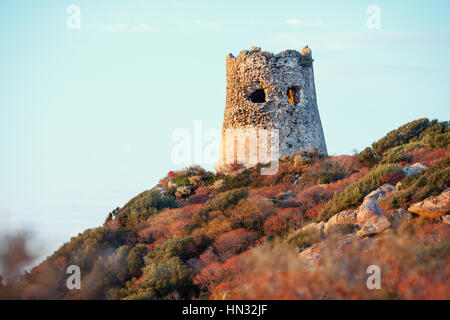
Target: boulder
(400, 215)
(414, 168)
(343, 217)
(369, 215)
(373, 225)
(446, 219)
(370, 207)
(433, 207)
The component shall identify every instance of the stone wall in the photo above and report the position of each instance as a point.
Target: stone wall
(286, 78)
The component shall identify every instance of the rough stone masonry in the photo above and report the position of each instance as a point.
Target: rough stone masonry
(271, 91)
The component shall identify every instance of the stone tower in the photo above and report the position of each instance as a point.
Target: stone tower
(272, 91)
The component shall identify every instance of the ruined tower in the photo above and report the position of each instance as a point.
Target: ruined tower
(271, 91)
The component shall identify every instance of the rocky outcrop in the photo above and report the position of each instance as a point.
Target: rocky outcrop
(414, 168)
(398, 216)
(433, 207)
(373, 225)
(343, 217)
(369, 215)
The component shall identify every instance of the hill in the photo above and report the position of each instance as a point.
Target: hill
(308, 232)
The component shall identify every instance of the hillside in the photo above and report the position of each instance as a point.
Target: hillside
(308, 232)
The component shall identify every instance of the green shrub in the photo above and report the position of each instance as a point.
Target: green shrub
(401, 135)
(368, 157)
(306, 238)
(136, 260)
(436, 135)
(160, 280)
(430, 182)
(239, 180)
(144, 205)
(184, 248)
(219, 203)
(353, 195)
(397, 154)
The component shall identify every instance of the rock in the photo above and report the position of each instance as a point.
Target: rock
(400, 215)
(433, 207)
(374, 225)
(310, 256)
(414, 168)
(346, 216)
(369, 214)
(343, 217)
(369, 207)
(446, 219)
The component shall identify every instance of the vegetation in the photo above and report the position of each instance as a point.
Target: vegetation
(195, 234)
(353, 195)
(428, 183)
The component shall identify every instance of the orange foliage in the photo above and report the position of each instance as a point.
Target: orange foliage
(414, 265)
(201, 195)
(285, 220)
(270, 191)
(427, 156)
(233, 242)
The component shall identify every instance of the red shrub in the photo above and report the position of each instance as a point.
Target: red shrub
(314, 211)
(250, 213)
(285, 220)
(429, 157)
(393, 177)
(233, 242)
(201, 195)
(270, 191)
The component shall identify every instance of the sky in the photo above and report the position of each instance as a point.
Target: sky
(87, 115)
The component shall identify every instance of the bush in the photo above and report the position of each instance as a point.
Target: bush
(284, 221)
(239, 180)
(143, 206)
(325, 171)
(430, 182)
(218, 203)
(436, 136)
(401, 135)
(306, 237)
(368, 157)
(251, 213)
(136, 260)
(160, 280)
(233, 242)
(353, 195)
(183, 248)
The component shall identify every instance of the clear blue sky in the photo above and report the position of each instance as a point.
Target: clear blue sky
(86, 116)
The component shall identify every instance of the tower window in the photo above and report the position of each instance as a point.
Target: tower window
(293, 94)
(258, 96)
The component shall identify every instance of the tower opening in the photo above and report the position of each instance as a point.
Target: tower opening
(293, 94)
(258, 96)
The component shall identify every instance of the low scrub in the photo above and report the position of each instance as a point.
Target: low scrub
(354, 194)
